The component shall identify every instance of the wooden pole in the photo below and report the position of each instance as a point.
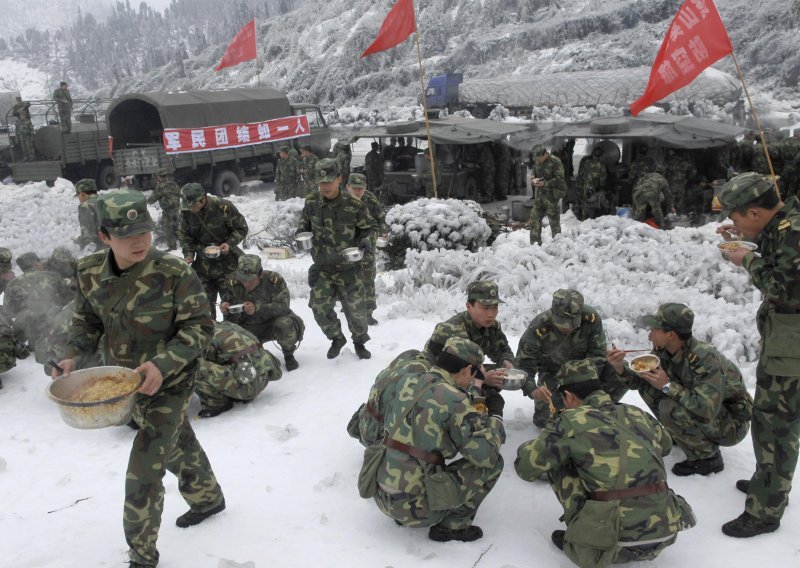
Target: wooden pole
(758, 125)
(255, 40)
(425, 109)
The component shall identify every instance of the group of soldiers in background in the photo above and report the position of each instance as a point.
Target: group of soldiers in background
(294, 173)
(784, 152)
(23, 125)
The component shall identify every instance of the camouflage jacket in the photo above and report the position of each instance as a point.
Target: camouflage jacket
(592, 175)
(543, 349)
(552, 173)
(155, 311)
(588, 439)
(87, 219)
(34, 300)
(336, 224)
(241, 353)
(62, 98)
(376, 212)
(639, 167)
(305, 168)
(51, 346)
(11, 345)
(444, 422)
(679, 170)
(24, 127)
(702, 380)
(373, 168)
(287, 172)
(270, 297)
(491, 340)
(216, 223)
(653, 190)
(168, 195)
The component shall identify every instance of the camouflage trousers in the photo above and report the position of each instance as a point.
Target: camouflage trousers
(217, 384)
(641, 206)
(165, 441)
(213, 274)
(27, 147)
(286, 330)
(776, 429)
(544, 206)
(168, 228)
(369, 272)
(347, 287)
(65, 118)
(474, 483)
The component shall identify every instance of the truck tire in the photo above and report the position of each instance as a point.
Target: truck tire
(226, 183)
(107, 177)
(478, 112)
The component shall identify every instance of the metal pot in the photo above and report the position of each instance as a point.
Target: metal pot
(729, 246)
(514, 379)
(304, 240)
(353, 254)
(381, 242)
(235, 309)
(212, 251)
(96, 414)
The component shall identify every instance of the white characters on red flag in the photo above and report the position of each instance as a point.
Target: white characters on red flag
(695, 39)
(182, 140)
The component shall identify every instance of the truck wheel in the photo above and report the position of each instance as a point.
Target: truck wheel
(226, 183)
(107, 177)
(478, 112)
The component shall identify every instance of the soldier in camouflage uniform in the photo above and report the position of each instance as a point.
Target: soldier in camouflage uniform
(591, 184)
(478, 324)
(373, 167)
(52, 345)
(759, 214)
(306, 163)
(6, 272)
(208, 220)
(235, 367)
(433, 418)
(265, 307)
(62, 262)
(679, 169)
(549, 186)
(63, 100)
(168, 196)
(155, 316)
(642, 164)
(570, 329)
(790, 159)
(86, 192)
(342, 154)
(24, 132)
(30, 262)
(337, 221)
(696, 393)
(486, 165)
(287, 175)
(604, 463)
(357, 187)
(12, 346)
(502, 168)
(651, 198)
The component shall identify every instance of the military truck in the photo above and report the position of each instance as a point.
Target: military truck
(82, 153)
(216, 138)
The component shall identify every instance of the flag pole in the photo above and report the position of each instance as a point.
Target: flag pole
(255, 40)
(758, 125)
(425, 109)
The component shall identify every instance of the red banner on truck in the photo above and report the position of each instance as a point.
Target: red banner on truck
(184, 140)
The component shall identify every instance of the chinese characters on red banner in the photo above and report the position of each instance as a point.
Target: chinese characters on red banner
(695, 39)
(182, 140)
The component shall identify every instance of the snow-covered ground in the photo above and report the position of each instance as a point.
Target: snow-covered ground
(285, 462)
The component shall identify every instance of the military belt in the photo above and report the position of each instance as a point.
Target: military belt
(243, 352)
(429, 457)
(630, 492)
(374, 413)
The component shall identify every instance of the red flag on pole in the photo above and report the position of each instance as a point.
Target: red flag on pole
(398, 25)
(695, 39)
(241, 48)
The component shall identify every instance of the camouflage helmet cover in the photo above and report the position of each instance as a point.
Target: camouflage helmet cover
(249, 267)
(671, 317)
(465, 350)
(86, 185)
(483, 291)
(575, 372)
(5, 259)
(566, 308)
(191, 193)
(326, 170)
(538, 151)
(124, 213)
(357, 181)
(741, 190)
(26, 261)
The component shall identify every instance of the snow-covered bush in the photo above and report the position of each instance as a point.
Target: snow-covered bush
(431, 224)
(279, 224)
(499, 113)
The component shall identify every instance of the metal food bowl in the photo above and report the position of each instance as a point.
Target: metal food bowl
(236, 308)
(304, 240)
(730, 246)
(381, 242)
(212, 252)
(514, 379)
(95, 414)
(353, 254)
(644, 363)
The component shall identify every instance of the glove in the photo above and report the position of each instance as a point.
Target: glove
(365, 245)
(495, 404)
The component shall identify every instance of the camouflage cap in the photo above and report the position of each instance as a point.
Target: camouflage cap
(357, 181)
(62, 261)
(86, 185)
(671, 317)
(741, 190)
(123, 213)
(575, 372)
(327, 170)
(284, 148)
(306, 147)
(465, 350)
(163, 172)
(566, 308)
(538, 151)
(483, 291)
(26, 260)
(249, 267)
(191, 193)
(5, 259)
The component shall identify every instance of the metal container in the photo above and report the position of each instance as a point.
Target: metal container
(729, 246)
(644, 363)
(304, 240)
(514, 379)
(353, 254)
(236, 309)
(520, 211)
(381, 242)
(96, 414)
(212, 251)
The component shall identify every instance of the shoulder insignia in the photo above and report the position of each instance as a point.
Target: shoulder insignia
(692, 358)
(95, 259)
(176, 267)
(541, 331)
(785, 224)
(591, 317)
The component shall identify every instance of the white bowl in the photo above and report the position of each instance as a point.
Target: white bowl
(729, 246)
(644, 363)
(353, 254)
(236, 308)
(212, 252)
(381, 242)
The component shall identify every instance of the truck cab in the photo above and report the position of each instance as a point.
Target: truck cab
(442, 91)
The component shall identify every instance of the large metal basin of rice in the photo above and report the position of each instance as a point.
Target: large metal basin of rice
(96, 397)
(514, 379)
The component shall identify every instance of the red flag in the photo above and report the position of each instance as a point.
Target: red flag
(695, 39)
(398, 25)
(242, 48)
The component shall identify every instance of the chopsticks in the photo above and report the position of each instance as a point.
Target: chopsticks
(636, 350)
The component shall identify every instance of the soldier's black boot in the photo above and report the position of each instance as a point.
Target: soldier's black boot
(558, 538)
(212, 411)
(705, 466)
(362, 351)
(290, 361)
(743, 485)
(371, 320)
(336, 347)
(746, 525)
(191, 518)
(444, 534)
